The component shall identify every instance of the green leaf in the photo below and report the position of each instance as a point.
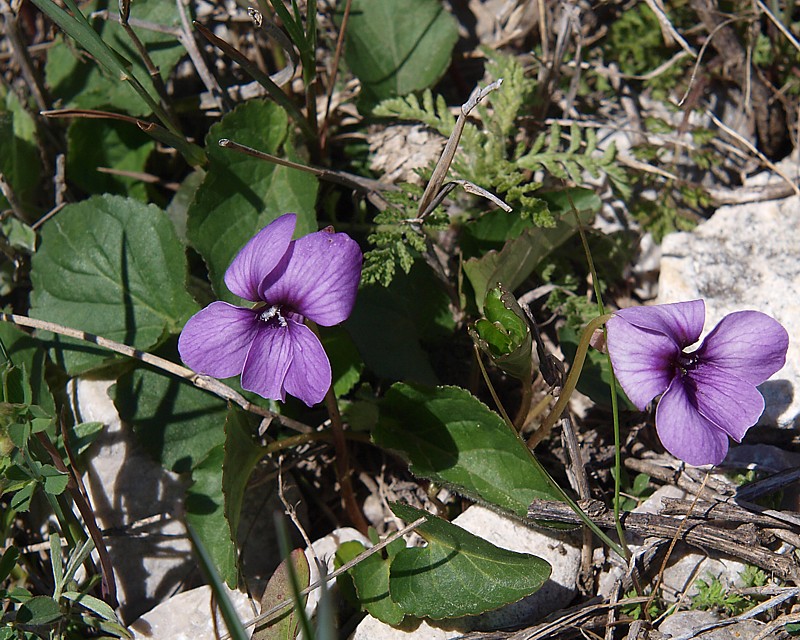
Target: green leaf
(396, 48)
(19, 235)
(346, 364)
(39, 610)
(371, 580)
(512, 265)
(412, 322)
(214, 502)
(8, 562)
(458, 573)
(205, 512)
(55, 482)
(19, 156)
(240, 195)
(96, 83)
(113, 267)
(95, 144)
(93, 604)
(452, 438)
(177, 422)
(241, 456)
(21, 500)
(284, 624)
(491, 231)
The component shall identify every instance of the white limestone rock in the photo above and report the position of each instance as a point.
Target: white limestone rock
(745, 257)
(705, 625)
(411, 629)
(191, 615)
(127, 486)
(324, 550)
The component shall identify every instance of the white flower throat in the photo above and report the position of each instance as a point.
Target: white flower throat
(272, 314)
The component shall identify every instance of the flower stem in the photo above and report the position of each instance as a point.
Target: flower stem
(612, 385)
(524, 405)
(342, 455)
(563, 494)
(574, 373)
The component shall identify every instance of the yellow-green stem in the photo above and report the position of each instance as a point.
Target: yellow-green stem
(574, 372)
(564, 495)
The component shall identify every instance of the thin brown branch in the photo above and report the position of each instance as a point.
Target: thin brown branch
(743, 542)
(211, 385)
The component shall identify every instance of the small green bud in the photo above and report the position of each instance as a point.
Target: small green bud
(504, 335)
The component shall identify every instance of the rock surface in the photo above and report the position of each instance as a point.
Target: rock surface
(126, 486)
(745, 257)
(704, 625)
(191, 615)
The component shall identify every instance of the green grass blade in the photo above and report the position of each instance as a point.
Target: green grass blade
(232, 622)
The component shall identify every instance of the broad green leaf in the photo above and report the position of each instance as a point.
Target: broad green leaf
(241, 456)
(512, 265)
(371, 580)
(39, 610)
(284, 625)
(205, 512)
(412, 321)
(19, 235)
(240, 195)
(452, 438)
(19, 156)
(346, 364)
(458, 573)
(214, 502)
(491, 231)
(96, 83)
(21, 500)
(113, 267)
(95, 144)
(177, 422)
(55, 482)
(396, 48)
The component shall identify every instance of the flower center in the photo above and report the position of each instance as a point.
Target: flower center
(272, 315)
(687, 362)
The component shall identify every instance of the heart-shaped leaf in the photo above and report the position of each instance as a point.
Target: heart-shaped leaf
(458, 573)
(451, 437)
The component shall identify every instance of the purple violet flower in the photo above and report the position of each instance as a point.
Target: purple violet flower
(707, 394)
(314, 277)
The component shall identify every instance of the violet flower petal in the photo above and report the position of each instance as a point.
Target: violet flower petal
(684, 432)
(749, 344)
(215, 341)
(320, 280)
(733, 404)
(309, 376)
(259, 257)
(643, 359)
(267, 362)
(680, 321)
